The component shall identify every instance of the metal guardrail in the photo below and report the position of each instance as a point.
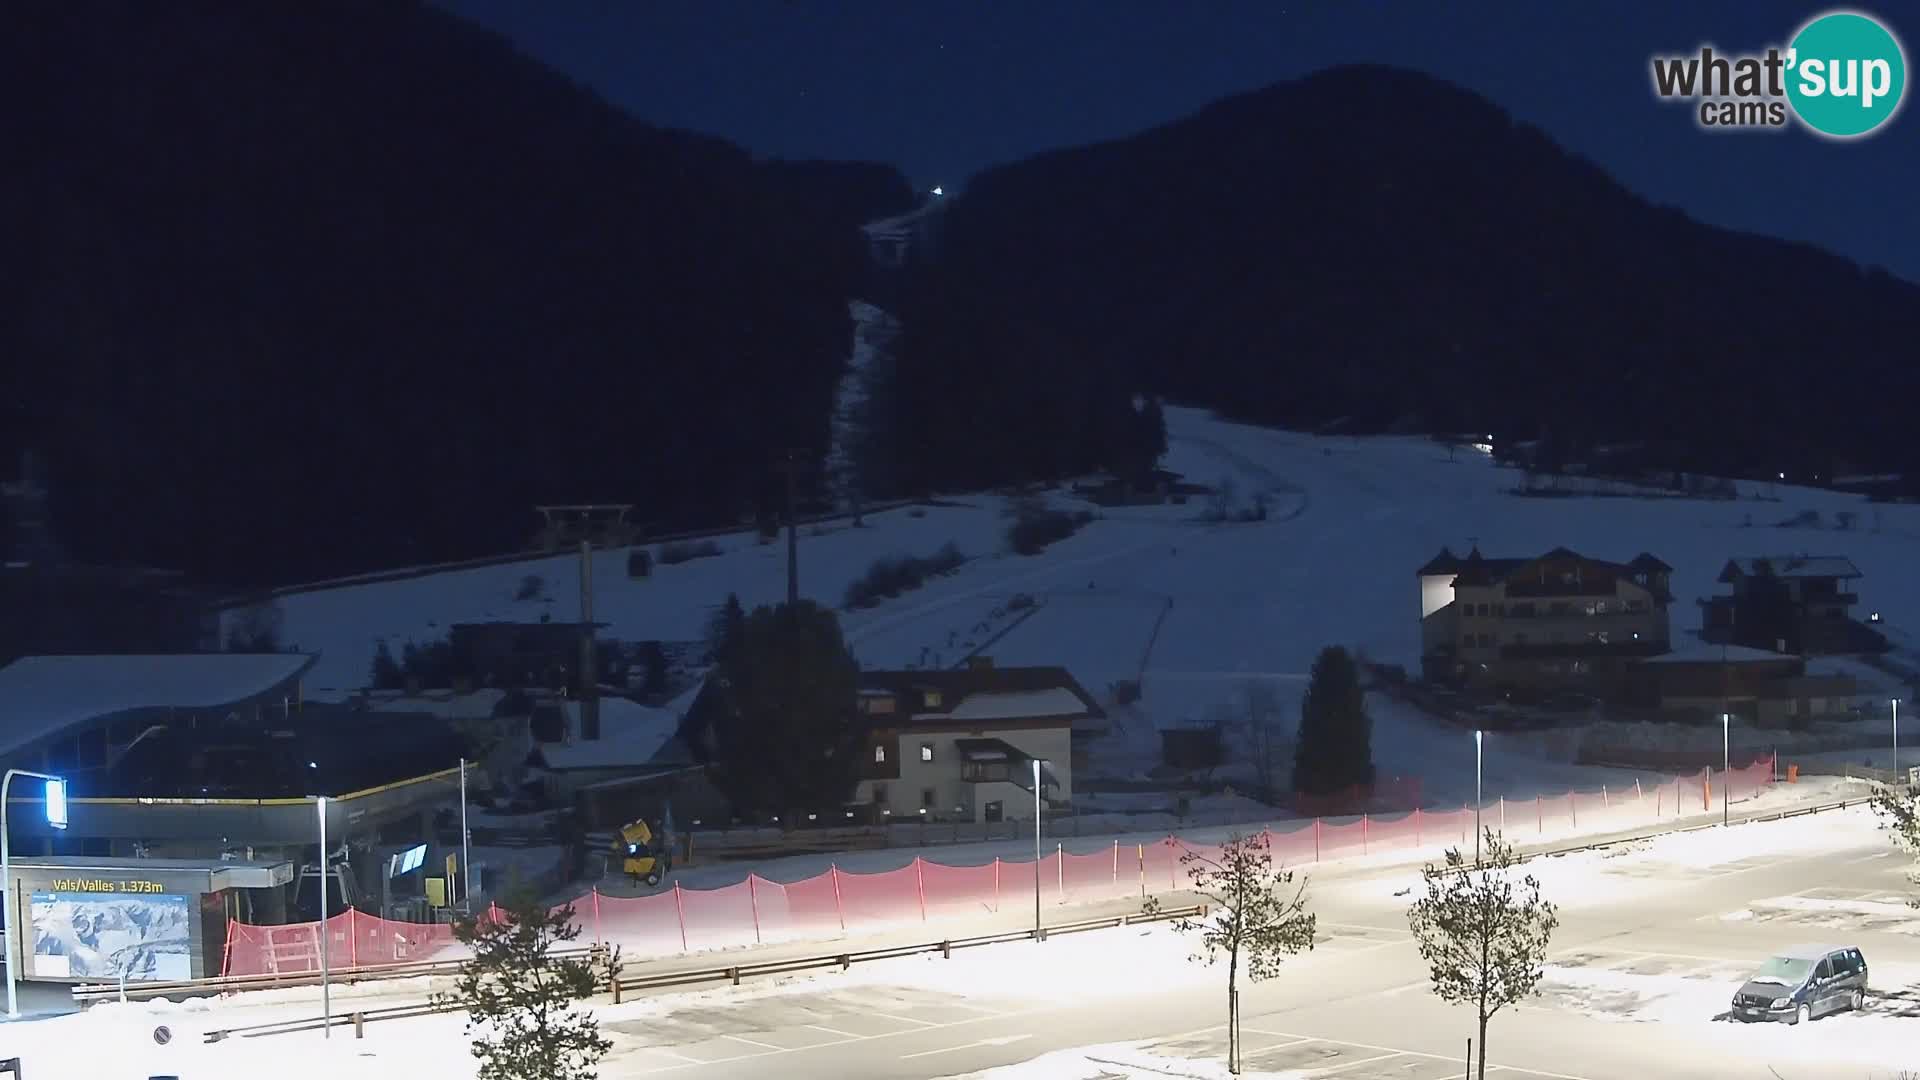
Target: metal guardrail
(1747, 819)
(87, 994)
(93, 993)
(730, 974)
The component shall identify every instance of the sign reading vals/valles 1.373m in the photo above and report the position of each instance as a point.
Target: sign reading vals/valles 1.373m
(101, 885)
(1842, 75)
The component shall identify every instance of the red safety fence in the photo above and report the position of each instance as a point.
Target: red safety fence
(1385, 793)
(354, 939)
(757, 910)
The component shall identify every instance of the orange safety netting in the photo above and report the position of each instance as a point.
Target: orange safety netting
(353, 939)
(758, 911)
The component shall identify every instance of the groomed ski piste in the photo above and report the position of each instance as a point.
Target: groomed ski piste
(1349, 521)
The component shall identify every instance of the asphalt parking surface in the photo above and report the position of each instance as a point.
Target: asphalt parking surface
(1650, 949)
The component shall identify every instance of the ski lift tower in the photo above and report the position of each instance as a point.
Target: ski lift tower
(603, 525)
(585, 524)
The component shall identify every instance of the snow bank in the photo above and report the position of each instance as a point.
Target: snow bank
(1697, 1002)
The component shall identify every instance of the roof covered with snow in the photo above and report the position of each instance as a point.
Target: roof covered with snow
(1020, 705)
(631, 734)
(44, 695)
(1475, 567)
(1004, 690)
(1791, 566)
(1695, 651)
(479, 704)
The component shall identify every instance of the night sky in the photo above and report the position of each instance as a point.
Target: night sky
(944, 90)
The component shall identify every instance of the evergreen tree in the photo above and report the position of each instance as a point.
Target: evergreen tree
(519, 997)
(1335, 748)
(725, 628)
(1150, 435)
(783, 696)
(653, 661)
(386, 674)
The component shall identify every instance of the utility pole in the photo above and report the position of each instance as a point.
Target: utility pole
(554, 538)
(791, 466)
(589, 669)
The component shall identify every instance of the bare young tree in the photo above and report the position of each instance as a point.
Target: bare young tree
(1899, 813)
(1255, 917)
(1483, 935)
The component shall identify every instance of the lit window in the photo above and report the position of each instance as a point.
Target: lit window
(879, 755)
(926, 751)
(933, 699)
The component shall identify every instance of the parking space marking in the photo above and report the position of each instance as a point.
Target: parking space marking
(921, 1026)
(1329, 1070)
(1389, 1051)
(833, 1031)
(1291, 1041)
(1398, 930)
(1002, 1040)
(1633, 955)
(724, 1054)
(669, 1053)
(1344, 951)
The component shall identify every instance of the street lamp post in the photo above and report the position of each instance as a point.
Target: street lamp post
(326, 935)
(56, 803)
(1896, 740)
(1036, 849)
(1477, 800)
(1727, 765)
(466, 859)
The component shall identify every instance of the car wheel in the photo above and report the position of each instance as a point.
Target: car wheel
(1802, 1014)
(1858, 1001)
(653, 878)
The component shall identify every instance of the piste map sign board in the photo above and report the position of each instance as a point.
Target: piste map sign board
(119, 931)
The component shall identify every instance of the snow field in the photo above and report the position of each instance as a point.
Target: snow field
(1333, 564)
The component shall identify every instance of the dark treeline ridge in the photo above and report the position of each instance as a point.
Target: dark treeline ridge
(1376, 246)
(308, 290)
(302, 291)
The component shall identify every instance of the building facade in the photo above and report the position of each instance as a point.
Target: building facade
(961, 745)
(1798, 604)
(1555, 621)
(1753, 687)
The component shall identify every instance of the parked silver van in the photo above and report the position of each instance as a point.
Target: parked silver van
(1802, 983)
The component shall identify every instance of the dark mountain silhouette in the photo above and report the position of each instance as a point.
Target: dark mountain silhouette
(298, 290)
(1374, 244)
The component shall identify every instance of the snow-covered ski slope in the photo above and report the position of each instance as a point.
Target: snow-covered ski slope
(1350, 520)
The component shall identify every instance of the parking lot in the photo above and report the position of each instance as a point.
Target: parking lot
(836, 1014)
(1267, 1050)
(1655, 938)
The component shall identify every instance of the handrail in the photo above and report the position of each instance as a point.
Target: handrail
(89, 993)
(732, 973)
